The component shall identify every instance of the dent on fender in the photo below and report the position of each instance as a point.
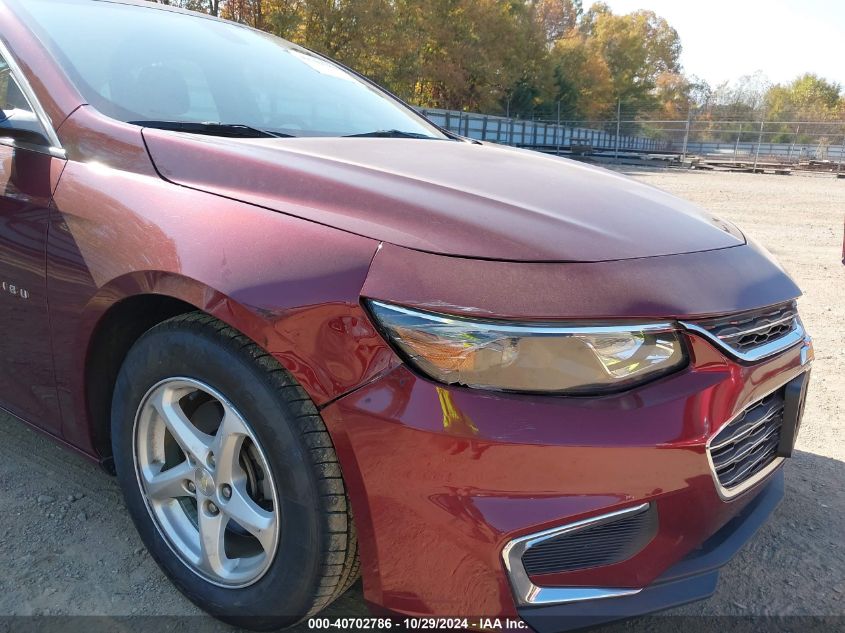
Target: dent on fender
(254, 269)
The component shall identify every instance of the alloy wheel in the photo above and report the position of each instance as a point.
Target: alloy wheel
(206, 482)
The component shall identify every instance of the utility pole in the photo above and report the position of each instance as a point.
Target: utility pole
(759, 142)
(618, 126)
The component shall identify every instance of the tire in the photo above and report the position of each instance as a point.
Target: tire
(306, 549)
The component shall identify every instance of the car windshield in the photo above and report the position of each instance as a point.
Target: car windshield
(144, 64)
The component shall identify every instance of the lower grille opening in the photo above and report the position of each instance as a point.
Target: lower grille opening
(749, 443)
(599, 544)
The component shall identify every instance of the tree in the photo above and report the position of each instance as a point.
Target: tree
(469, 54)
(673, 93)
(584, 86)
(637, 48)
(806, 97)
(556, 18)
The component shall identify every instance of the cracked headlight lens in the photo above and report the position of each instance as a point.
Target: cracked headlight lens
(542, 357)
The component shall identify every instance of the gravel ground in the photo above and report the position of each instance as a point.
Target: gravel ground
(67, 546)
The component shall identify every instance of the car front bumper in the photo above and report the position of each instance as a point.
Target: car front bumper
(443, 479)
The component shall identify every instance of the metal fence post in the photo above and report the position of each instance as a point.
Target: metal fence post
(839, 164)
(484, 128)
(686, 134)
(738, 136)
(759, 142)
(558, 131)
(618, 127)
(792, 147)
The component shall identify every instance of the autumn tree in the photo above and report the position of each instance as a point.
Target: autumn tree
(638, 48)
(583, 83)
(470, 54)
(556, 18)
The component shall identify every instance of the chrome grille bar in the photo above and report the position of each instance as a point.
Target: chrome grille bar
(745, 448)
(753, 336)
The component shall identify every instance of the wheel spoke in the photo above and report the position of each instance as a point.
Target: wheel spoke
(253, 518)
(212, 529)
(191, 440)
(227, 445)
(169, 484)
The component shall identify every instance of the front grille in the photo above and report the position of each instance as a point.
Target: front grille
(744, 332)
(749, 443)
(599, 544)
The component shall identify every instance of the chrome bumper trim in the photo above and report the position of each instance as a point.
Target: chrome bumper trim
(529, 594)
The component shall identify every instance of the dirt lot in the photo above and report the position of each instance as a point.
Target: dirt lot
(68, 548)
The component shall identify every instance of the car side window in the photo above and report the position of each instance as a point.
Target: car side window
(18, 119)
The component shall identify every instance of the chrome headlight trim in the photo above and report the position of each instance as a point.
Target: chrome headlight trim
(536, 328)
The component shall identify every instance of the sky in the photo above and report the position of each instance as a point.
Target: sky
(723, 40)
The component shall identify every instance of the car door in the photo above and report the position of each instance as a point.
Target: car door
(29, 168)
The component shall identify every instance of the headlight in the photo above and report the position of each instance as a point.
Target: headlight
(535, 358)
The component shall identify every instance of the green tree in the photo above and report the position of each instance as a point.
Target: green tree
(806, 97)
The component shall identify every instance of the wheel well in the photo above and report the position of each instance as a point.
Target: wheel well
(117, 331)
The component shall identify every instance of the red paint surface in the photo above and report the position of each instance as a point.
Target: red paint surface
(448, 197)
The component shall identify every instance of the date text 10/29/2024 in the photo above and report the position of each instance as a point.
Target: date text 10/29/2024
(422, 624)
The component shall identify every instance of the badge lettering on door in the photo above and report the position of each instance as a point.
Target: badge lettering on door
(14, 290)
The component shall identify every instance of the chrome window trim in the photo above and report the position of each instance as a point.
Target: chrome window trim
(791, 339)
(529, 594)
(536, 328)
(55, 148)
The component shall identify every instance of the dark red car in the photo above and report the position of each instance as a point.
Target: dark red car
(308, 328)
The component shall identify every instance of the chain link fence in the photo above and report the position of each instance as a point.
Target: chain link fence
(695, 141)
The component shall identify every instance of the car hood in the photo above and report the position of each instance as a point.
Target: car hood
(446, 197)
